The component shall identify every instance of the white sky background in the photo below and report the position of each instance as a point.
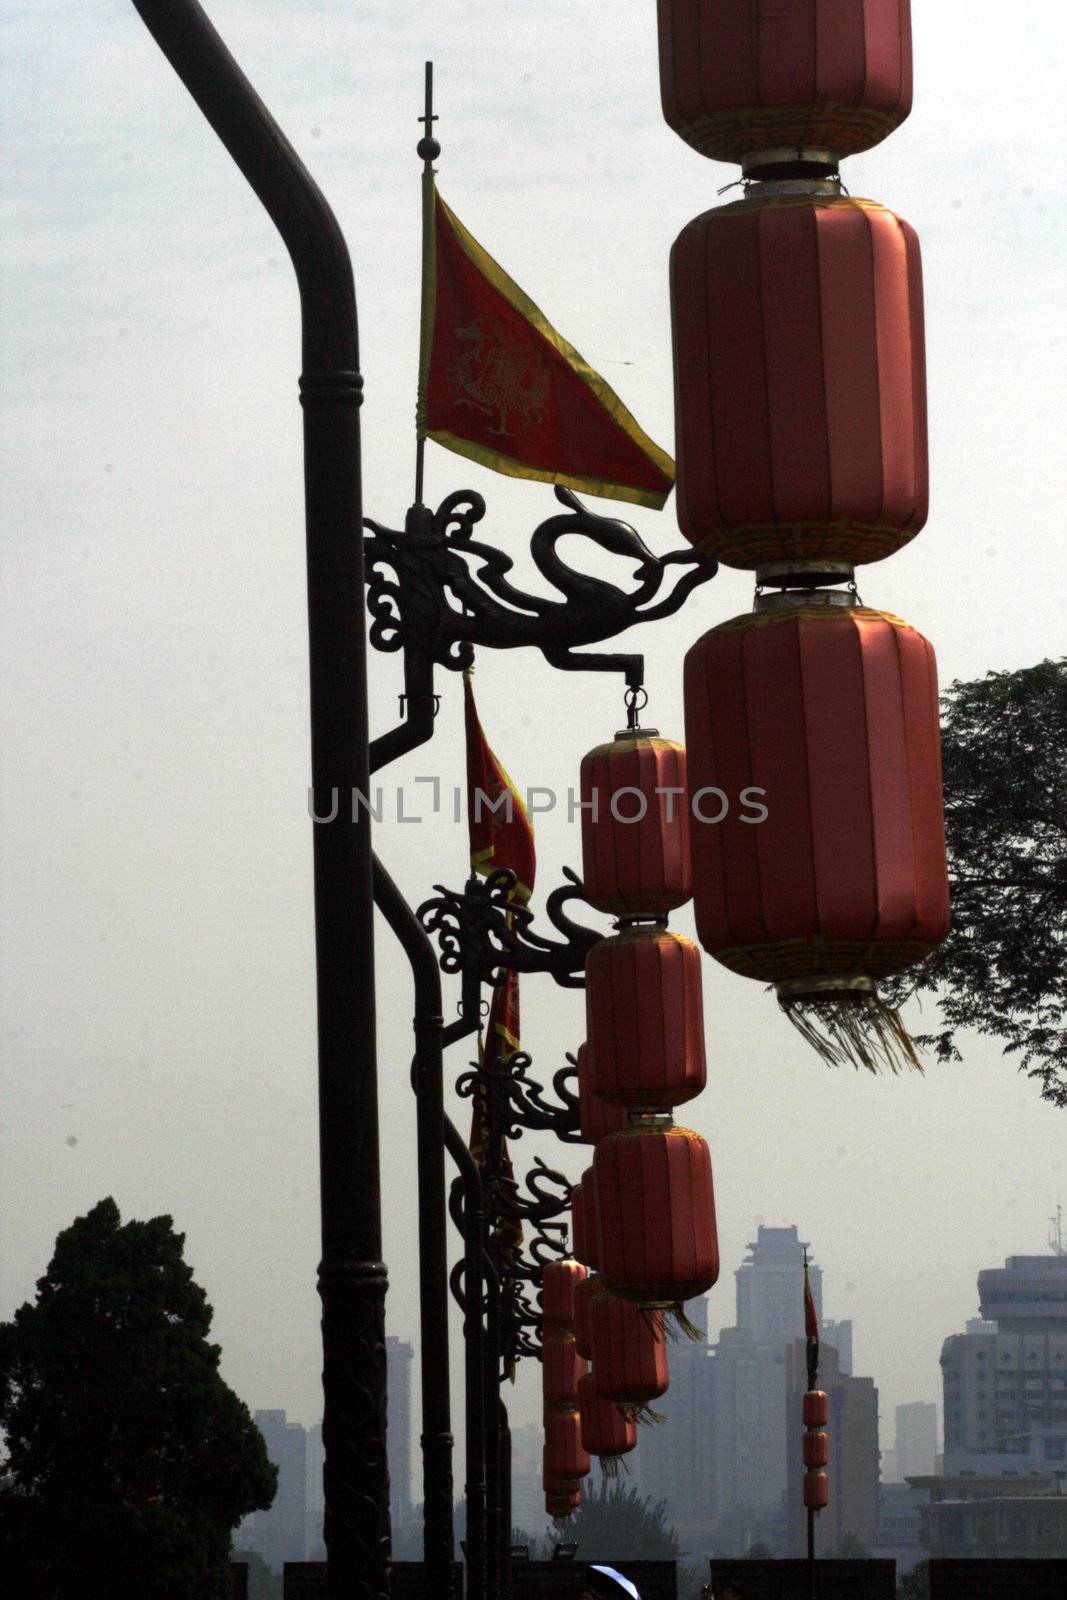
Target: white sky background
(158, 978)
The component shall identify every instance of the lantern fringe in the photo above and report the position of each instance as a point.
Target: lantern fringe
(561, 1522)
(642, 1414)
(680, 1326)
(611, 1466)
(853, 1027)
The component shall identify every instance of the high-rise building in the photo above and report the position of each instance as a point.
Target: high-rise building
(279, 1535)
(315, 1503)
(839, 1336)
(853, 1466)
(1005, 1387)
(748, 1369)
(916, 1448)
(527, 1491)
(398, 1359)
(675, 1462)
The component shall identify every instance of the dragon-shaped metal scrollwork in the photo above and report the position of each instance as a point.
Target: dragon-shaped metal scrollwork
(518, 1100)
(433, 588)
(482, 930)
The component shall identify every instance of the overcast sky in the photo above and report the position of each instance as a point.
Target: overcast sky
(158, 966)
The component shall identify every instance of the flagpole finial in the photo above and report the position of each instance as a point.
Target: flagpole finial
(428, 148)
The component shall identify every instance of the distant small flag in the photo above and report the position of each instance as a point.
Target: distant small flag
(498, 384)
(811, 1329)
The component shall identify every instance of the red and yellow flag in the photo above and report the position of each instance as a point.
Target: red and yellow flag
(497, 383)
(500, 831)
(811, 1329)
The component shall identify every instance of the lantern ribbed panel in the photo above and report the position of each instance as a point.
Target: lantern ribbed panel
(658, 1242)
(559, 1280)
(629, 1351)
(816, 1446)
(816, 1491)
(591, 1214)
(816, 1408)
(834, 712)
(738, 76)
(645, 1019)
(635, 854)
(579, 1245)
(596, 1117)
(583, 1333)
(606, 1431)
(565, 1461)
(561, 1369)
(800, 381)
(560, 1503)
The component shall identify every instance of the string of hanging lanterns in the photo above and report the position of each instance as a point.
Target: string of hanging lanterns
(566, 1460)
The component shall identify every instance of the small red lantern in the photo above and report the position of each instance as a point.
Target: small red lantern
(565, 1459)
(816, 1491)
(645, 1019)
(816, 1409)
(579, 1232)
(635, 828)
(800, 388)
(756, 75)
(607, 1432)
(830, 714)
(656, 1206)
(561, 1503)
(597, 1117)
(816, 1447)
(559, 1280)
(583, 1333)
(589, 1221)
(629, 1352)
(561, 1369)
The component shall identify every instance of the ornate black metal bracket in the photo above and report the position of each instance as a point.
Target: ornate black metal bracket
(481, 930)
(434, 589)
(518, 1100)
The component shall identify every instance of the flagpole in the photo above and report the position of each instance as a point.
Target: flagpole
(813, 1373)
(429, 149)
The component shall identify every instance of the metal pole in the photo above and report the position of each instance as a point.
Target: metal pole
(811, 1554)
(352, 1276)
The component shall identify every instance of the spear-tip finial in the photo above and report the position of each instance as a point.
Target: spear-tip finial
(428, 148)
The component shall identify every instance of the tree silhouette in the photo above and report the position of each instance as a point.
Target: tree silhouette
(129, 1460)
(1002, 970)
(614, 1521)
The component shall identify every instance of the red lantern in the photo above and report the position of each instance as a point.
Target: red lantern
(629, 1351)
(800, 388)
(558, 1283)
(597, 1117)
(816, 1491)
(583, 1333)
(832, 714)
(586, 1222)
(565, 1460)
(635, 829)
(560, 1503)
(744, 76)
(645, 1019)
(658, 1244)
(816, 1411)
(561, 1369)
(607, 1432)
(816, 1447)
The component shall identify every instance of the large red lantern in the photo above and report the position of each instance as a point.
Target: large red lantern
(559, 1279)
(656, 1207)
(607, 1432)
(831, 712)
(565, 1460)
(741, 77)
(629, 1352)
(560, 1503)
(800, 389)
(645, 1019)
(583, 1332)
(816, 1445)
(635, 829)
(561, 1369)
(585, 1221)
(596, 1116)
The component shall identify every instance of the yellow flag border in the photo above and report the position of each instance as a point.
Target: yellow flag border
(521, 302)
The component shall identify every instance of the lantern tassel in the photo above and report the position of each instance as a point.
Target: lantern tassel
(851, 1027)
(680, 1325)
(612, 1466)
(642, 1414)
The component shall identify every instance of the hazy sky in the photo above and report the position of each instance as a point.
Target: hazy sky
(158, 979)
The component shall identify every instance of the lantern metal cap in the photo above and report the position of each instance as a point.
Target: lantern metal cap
(815, 187)
(780, 574)
(637, 733)
(790, 161)
(785, 599)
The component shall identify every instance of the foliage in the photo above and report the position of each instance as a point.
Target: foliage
(614, 1521)
(1002, 969)
(849, 1548)
(263, 1582)
(129, 1460)
(915, 1585)
(760, 1551)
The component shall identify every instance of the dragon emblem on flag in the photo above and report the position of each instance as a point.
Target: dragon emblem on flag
(500, 375)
